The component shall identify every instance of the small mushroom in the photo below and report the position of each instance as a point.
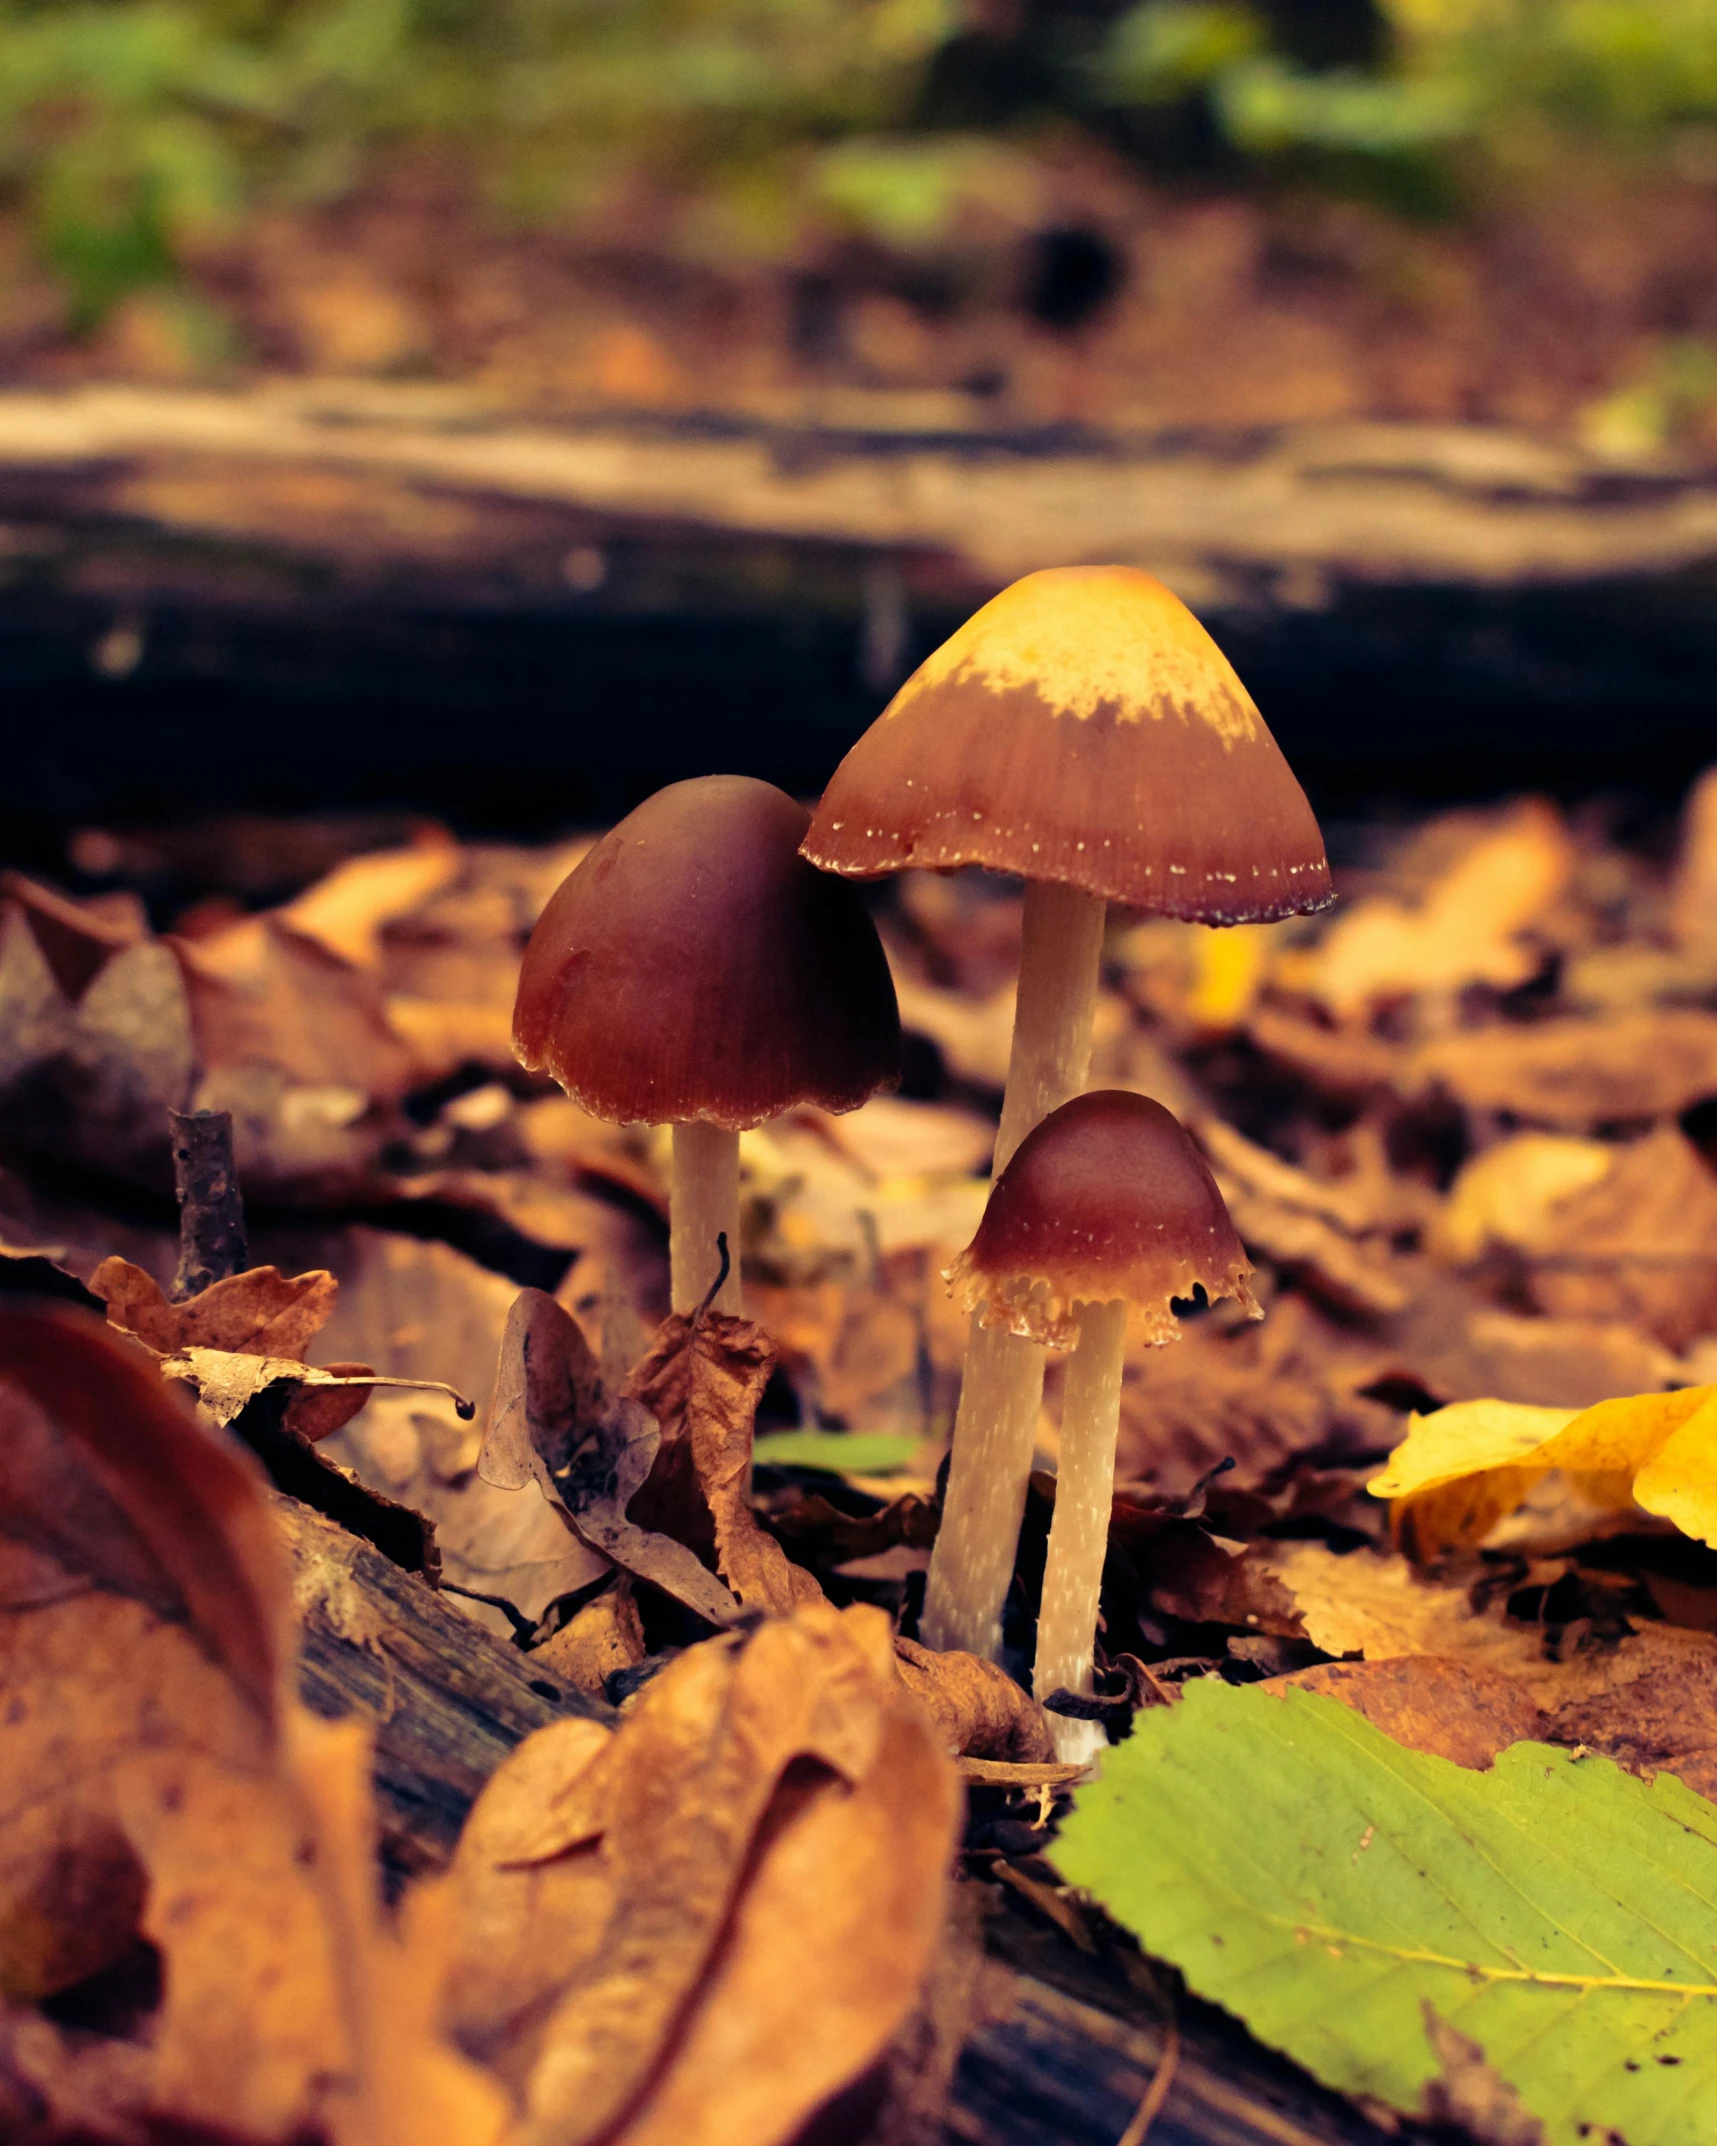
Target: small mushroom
(1084, 731)
(1106, 1205)
(694, 970)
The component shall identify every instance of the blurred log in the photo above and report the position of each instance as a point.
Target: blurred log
(448, 1699)
(1063, 2047)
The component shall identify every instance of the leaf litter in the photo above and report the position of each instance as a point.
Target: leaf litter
(1462, 1125)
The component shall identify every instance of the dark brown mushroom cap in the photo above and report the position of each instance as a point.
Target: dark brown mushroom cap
(1106, 1198)
(693, 965)
(1082, 727)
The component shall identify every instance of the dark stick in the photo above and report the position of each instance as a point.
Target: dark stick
(211, 1211)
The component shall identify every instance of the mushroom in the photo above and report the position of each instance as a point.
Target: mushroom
(693, 970)
(1106, 1204)
(1084, 731)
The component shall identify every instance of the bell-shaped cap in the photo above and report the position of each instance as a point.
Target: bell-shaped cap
(694, 966)
(1084, 728)
(1107, 1198)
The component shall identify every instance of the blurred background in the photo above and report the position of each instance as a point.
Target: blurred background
(494, 408)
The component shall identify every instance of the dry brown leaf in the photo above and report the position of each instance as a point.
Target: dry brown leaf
(702, 1381)
(552, 1424)
(263, 994)
(629, 1904)
(978, 1709)
(1261, 1396)
(346, 909)
(603, 1636)
(89, 1079)
(422, 1310)
(1359, 1277)
(1465, 927)
(1430, 1702)
(258, 1313)
(163, 1783)
(1638, 1244)
(1576, 1074)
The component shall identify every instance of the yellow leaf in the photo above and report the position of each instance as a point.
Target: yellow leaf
(1459, 1471)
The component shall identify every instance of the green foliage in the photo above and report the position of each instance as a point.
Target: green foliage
(840, 1452)
(131, 129)
(1327, 1885)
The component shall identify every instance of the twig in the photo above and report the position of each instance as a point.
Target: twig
(715, 1288)
(211, 1211)
(1157, 2092)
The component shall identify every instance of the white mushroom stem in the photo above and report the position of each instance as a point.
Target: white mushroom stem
(704, 1205)
(1079, 1532)
(1001, 1388)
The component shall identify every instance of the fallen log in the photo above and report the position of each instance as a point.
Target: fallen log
(448, 1699)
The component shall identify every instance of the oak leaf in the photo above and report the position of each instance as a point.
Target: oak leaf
(701, 1927)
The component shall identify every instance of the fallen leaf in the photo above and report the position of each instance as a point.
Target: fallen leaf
(421, 1310)
(345, 910)
(604, 1635)
(258, 1313)
(1465, 928)
(1507, 1194)
(1430, 1703)
(1577, 1074)
(164, 1785)
(702, 1381)
(1693, 898)
(1636, 1243)
(978, 1709)
(552, 1424)
(89, 1079)
(1324, 1884)
(1459, 1471)
(698, 1930)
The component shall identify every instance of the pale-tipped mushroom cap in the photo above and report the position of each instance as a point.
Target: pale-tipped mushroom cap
(694, 966)
(1084, 728)
(1107, 1198)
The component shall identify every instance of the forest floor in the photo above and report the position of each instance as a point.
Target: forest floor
(1464, 1124)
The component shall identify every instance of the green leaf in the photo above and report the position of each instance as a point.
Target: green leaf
(1324, 1883)
(840, 1452)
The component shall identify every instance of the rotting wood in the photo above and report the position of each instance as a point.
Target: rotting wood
(448, 1699)
(1063, 2048)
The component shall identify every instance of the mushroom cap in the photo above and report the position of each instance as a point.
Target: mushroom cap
(1082, 727)
(1106, 1198)
(692, 965)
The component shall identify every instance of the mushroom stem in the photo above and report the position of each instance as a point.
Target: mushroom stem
(1060, 953)
(703, 1203)
(1001, 1387)
(1079, 1532)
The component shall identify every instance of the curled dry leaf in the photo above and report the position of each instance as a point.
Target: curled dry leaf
(700, 1928)
(702, 1381)
(978, 1709)
(163, 1784)
(551, 1423)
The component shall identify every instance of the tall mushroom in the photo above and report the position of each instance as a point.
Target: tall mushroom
(1084, 731)
(1106, 1205)
(693, 970)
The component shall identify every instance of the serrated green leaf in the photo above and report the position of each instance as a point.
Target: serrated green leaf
(840, 1452)
(1323, 1883)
